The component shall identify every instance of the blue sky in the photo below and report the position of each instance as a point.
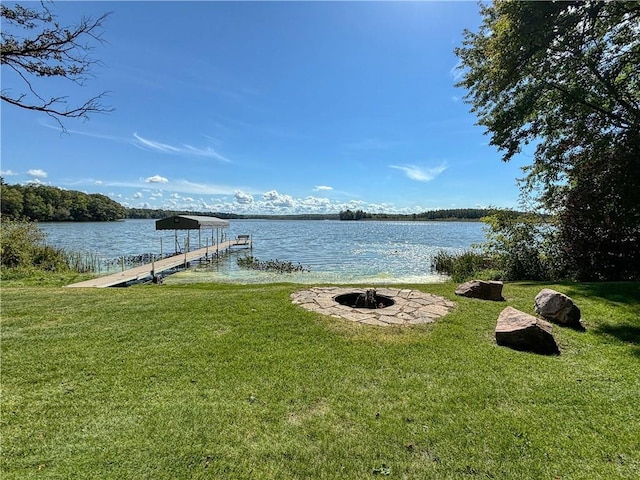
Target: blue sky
(269, 107)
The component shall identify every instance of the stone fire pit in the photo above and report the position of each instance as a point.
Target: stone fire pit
(406, 307)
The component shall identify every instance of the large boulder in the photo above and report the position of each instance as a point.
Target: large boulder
(481, 289)
(557, 307)
(521, 331)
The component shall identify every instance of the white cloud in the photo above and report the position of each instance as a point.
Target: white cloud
(137, 195)
(8, 173)
(274, 202)
(147, 144)
(185, 149)
(320, 188)
(242, 197)
(156, 179)
(274, 199)
(160, 183)
(420, 174)
(204, 152)
(36, 181)
(37, 173)
(157, 194)
(316, 202)
(193, 188)
(153, 145)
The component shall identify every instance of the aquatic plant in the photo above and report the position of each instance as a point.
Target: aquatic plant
(279, 266)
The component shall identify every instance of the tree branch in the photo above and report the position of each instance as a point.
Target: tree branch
(50, 51)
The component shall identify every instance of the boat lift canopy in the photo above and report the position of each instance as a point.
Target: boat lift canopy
(190, 222)
(193, 222)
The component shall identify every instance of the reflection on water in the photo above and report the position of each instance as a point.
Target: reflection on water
(334, 251)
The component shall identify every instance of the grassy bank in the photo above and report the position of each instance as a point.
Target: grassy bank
(235, 382)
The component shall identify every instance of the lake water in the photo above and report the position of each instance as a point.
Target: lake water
(333, 251)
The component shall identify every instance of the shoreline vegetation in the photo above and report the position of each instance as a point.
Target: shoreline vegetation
(518, 246)
(43, 203)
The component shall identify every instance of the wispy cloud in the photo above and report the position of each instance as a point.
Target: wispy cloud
(177, 187)
(8, 173)
(322, 188)
(153, 145)
(185, 149)
(419, 173)
(457, 72)
(101, 136)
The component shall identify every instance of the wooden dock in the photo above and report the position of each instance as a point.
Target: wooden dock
(154, 268)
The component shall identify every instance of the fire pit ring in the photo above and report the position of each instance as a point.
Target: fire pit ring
(369, 299)
(409, 307)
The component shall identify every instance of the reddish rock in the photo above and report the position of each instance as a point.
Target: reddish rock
(521, 331)
(481, 289)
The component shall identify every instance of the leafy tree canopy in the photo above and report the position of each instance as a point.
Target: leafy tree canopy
(555, 73)
(44, 203)
(565, 77)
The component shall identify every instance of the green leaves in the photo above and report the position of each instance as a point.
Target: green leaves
(566, 77)
(534, 68)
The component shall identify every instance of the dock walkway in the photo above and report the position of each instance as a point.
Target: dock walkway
(149, 269)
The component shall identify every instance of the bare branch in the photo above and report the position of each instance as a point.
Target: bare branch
(35, 46)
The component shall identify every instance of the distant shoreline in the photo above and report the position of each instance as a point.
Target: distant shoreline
(43, 203)
(444, 215)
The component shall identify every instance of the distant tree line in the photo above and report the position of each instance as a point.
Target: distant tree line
(357, 215)
(445, 214)
(162, 213)
(44, 203)
(52, 204)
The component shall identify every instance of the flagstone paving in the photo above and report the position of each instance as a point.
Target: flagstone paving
(411, 307)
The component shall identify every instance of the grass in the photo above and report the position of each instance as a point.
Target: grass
(235, 382)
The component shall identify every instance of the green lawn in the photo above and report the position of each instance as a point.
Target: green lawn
(236, 382)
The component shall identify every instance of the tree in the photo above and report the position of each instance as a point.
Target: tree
(35, 46)
(600, 224)
(11, 203)
(565, 76)
(43, 203)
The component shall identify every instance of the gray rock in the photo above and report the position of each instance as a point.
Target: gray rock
(557, 307)
(481, 289)
(521, 331)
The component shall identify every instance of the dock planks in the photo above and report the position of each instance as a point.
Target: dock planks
(144, 271)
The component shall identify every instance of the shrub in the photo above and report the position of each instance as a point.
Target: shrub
(522, 246)
(22, 247)
(464, 266)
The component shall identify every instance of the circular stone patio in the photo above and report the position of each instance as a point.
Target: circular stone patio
(411, 307)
